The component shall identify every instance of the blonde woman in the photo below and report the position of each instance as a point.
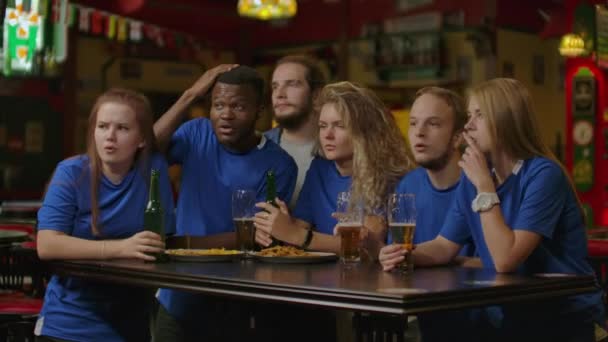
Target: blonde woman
(93, 209)
(518, 204)
(360, 150)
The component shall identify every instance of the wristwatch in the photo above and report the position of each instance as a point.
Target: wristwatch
(484, 201)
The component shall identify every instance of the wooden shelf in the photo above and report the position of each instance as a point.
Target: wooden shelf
(416, 83)
(401, 93)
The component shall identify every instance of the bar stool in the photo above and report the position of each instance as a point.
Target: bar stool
(20, 298)
(598, 258)
(379, 327)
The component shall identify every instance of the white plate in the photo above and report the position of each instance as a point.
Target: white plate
(311, 258)
(205, 258)
(402, 290)
(553, 275)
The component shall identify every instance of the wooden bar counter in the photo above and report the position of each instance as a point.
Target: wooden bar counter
(363, 288)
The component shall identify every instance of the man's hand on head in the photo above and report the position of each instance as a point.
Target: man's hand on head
(204, 83)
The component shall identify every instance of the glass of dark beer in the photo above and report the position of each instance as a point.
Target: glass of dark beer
(243, 211)
(401, 225)
(350, 221)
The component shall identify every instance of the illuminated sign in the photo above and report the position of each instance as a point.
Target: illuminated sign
(23, 37)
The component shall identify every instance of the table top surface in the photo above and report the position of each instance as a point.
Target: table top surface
(364, 287)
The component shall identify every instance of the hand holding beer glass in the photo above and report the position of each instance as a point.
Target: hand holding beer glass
(350, 221)
(243, 211)
(402, 224)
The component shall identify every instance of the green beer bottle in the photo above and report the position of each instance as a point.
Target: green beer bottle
(271, 189)
(271, 195)
(154, 215)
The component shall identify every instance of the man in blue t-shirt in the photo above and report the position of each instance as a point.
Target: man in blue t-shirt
(437, 120)
(217, 156)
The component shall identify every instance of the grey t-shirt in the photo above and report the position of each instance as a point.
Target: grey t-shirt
(302, 154)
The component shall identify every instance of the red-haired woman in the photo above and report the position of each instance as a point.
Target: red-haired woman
(93, 209)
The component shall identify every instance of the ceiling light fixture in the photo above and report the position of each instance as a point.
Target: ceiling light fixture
(267, 9)
(572, 45)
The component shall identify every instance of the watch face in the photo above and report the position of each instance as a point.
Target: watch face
(484, 202)
(582, 132)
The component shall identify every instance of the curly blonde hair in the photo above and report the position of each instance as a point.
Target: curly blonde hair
(380, 154)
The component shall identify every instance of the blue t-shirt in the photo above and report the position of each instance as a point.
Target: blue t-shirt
(432, 206)
(210, 173)
(536, 198)
(77, 309)
(319, 195)
(274, 135)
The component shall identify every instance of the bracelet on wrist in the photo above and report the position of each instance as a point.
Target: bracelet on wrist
(308, 239)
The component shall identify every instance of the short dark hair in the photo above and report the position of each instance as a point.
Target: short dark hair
(244, 75)
(314, 75)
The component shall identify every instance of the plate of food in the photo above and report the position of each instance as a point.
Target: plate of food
(204, 255)
(553, 275)
(292, 255)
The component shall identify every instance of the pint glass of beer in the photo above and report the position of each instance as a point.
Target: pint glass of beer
(243, 211)
(350, 221)
(401, 225)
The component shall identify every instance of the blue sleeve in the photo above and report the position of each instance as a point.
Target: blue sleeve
(166, 195)
(455, 226)
(187, 135)
(543, 199)
(303, 208)
(60, 204)
(286, 181)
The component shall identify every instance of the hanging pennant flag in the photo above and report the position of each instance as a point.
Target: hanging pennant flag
(169, 39)
(160, 38)
(179, 40)
(60, 31)
(153, 33)
(193, 43)
(64, 11)
(73, 12)
(111, 26)
(190, 41)
(97, 22)
(135, 28)
(150, 31)
(121, 29)
(55, 11)
(84, 19)
(39, 13)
